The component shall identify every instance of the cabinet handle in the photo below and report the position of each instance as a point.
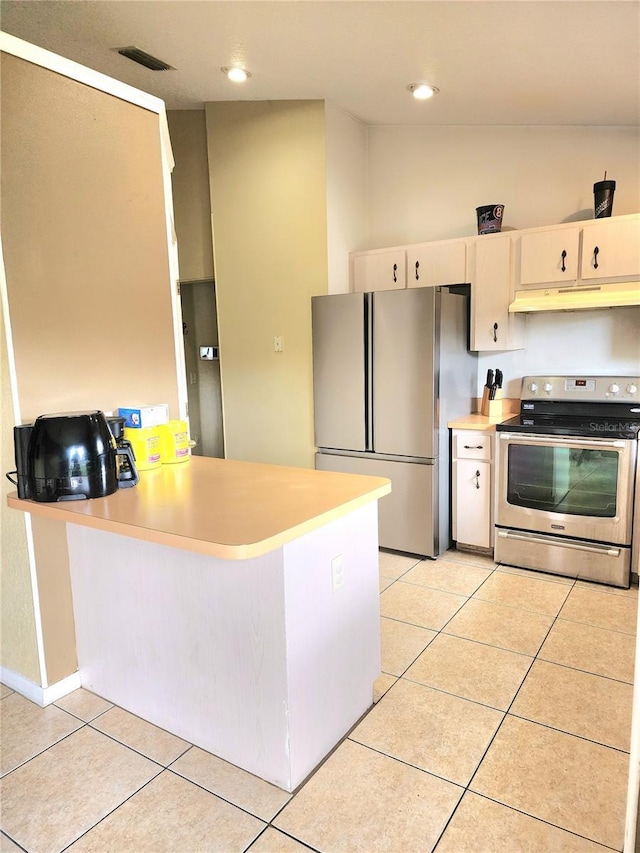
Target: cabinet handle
(495, 333)
(596, 251)
(395, 267)
(564, 255)
(470, 447)
(417, 267)
(477, 476)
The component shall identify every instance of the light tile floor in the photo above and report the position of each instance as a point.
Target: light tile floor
(501, 725)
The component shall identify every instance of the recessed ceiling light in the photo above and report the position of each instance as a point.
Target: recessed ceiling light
(238, 75)
(422, 91)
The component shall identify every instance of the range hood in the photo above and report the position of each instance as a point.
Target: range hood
(578, 298)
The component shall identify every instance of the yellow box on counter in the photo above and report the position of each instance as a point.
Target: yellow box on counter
(139, 417)
(146, 446)
(174, 441)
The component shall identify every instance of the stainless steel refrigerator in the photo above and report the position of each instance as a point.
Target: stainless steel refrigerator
(390, 369)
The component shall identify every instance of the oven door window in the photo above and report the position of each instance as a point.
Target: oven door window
(572, 481)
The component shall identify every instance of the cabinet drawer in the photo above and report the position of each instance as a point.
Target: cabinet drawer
(472, 445)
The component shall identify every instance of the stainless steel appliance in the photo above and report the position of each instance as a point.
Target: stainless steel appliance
(566, 472)
(70, 456)
(390, 369)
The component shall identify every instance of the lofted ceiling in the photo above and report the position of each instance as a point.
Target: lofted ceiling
(496, 62)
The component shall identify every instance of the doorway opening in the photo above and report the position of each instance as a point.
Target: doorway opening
(202, 364)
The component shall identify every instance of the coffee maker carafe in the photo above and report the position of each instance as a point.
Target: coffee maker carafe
(128, 474)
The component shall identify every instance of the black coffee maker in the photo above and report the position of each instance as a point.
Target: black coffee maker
(70, 456)
(128, 475)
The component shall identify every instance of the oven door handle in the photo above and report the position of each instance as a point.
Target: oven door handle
(559, 439)
(593, 549)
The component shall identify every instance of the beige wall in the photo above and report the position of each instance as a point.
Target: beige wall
(89, 287)
(18, 639)
(85, 246)
(190, 180)
(267, 165)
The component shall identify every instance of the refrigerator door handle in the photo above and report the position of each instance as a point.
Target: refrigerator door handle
(368, 378)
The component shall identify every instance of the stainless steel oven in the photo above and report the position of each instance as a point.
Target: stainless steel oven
(566, 472)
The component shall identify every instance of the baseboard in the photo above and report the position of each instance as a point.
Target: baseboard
(42, 696)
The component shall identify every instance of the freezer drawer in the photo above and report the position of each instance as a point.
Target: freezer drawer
(408, 517)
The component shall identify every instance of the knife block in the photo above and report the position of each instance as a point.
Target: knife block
(491, 408)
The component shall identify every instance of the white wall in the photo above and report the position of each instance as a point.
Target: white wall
(425, 183)
(571, 343)
(346, 140)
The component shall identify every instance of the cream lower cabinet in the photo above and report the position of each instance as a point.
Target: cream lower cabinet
(472, 485)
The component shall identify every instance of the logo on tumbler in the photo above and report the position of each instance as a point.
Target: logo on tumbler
(601, 207)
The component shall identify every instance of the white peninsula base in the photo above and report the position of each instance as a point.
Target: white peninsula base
(266, 662)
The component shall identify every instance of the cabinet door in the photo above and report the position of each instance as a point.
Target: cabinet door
(472, 502)
(433, 264)
(379, 271)
(492, 327)
(611, 249)
(549, 256)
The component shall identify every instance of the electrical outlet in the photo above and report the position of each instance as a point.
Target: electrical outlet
(278, 343)
(337, 572)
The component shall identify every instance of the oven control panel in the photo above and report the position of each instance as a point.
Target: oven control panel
(595, 389)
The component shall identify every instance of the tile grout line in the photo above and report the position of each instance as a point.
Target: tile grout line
(115, 808)
(571, 734)
(19, 846)
(42, 751)
(499, 727)
(541, 820)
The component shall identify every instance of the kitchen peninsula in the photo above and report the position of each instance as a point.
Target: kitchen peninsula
(234, 604)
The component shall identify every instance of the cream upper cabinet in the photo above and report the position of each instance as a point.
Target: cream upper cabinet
(492, 326)
(549, 256)
(379, 270)
(433, 264)
(611, 249)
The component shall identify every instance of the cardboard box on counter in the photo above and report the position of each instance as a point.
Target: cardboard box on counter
(140, 417)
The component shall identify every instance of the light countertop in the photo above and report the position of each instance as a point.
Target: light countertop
(478, 421)
(219, 507)
(508, 407)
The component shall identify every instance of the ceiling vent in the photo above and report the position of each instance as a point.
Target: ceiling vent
(142, 58)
